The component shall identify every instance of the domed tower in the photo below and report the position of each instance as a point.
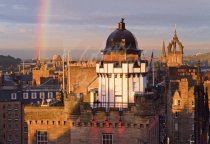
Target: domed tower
(121, 45)
(57, 60)
(121, 72)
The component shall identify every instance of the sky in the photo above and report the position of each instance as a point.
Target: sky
(82, 26)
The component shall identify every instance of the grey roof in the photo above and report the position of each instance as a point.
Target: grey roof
(121, 40)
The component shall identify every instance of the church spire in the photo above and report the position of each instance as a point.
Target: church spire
(163, 54)
(175, 33)
(163, 49)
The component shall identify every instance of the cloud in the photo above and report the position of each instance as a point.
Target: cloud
(25, 30)
(3, 29)
(2, 5)
(18, 7)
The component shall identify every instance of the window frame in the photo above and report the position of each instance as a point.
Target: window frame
(193, 103)
(13, 96)
(179, 102)
(33, 95)
(39, 137)
(176, 115)
(135, 86)
(42, 95)
(107, 138)
(50, 95)
(25, 95)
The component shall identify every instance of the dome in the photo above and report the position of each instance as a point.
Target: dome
(56, 58)
(121, 40)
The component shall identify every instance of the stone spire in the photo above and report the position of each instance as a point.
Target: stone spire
(175, 51)
(163, 54)
(175, 34)
(164, 49)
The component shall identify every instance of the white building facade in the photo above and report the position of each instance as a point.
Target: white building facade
(121, 72)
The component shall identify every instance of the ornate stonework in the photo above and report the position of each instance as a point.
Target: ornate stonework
(175, 52)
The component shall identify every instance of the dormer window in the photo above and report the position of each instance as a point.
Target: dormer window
(13, 96)
(33, 95)
(25, 95)
(41, 95)
(122, 44)
(179, 102)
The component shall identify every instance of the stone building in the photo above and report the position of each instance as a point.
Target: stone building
(128, 113)
(122, 72)
(201, 121)
(180, 111)
(77, 75)
(180, 94)
(174, 56)
(11, 120)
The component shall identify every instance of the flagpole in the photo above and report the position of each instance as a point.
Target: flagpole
(63, 71)
(153, 74)
(68, 74)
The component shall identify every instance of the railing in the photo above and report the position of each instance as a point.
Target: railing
(108, 105)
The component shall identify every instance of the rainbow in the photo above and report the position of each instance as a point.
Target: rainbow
(42, 20)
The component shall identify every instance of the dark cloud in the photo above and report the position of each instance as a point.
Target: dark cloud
(147, 19)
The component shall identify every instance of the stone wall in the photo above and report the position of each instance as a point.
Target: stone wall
(87, 128)
(181, 119)
(50, 119)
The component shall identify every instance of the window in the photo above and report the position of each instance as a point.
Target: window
(50, 95)
(176, 126)
(13, 96)
(134, 86)
(9, 137)
(123, 43)
(16, 113)
(25, 127)
(33, 95)
(176, 114)
(193, 104)
(193, 127)
(42, 137)
(9, 113)
(193, 114)
(107, 138)
(16, 125)
(25, 95)
(179, 102)
(41, 95)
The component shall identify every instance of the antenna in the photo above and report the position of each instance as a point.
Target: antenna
(68, 74)
(23, 67)
(153, 71)
(39, 54)
(175, 30)
(63, 70)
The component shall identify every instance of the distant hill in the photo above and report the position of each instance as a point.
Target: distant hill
(9, 62)
(204, 58)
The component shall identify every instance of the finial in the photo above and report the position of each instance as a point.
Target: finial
(122, 20)
(175, 29)
(175, 35)
(121, 24)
